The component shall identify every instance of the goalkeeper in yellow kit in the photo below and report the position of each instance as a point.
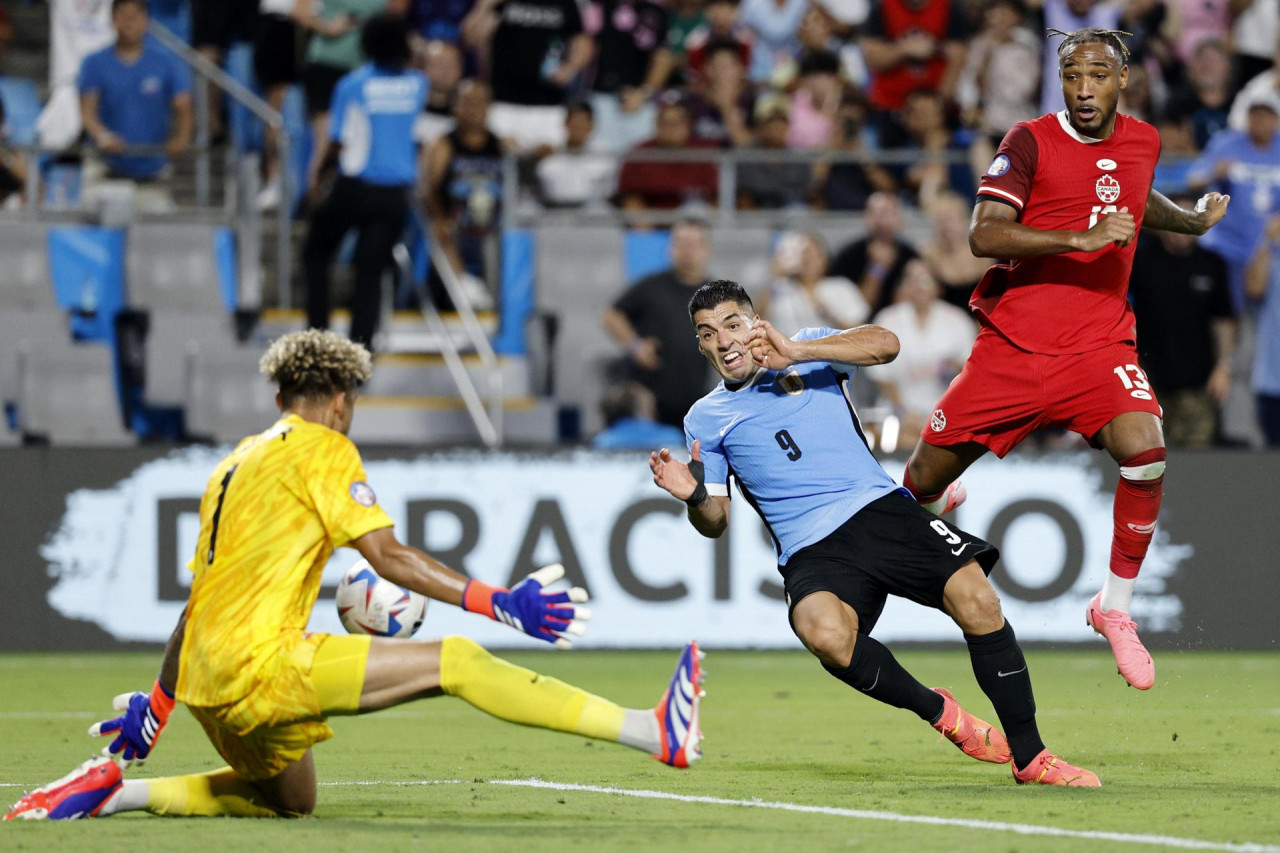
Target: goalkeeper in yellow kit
(261, 686)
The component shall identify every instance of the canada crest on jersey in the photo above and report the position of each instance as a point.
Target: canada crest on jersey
(1108, 189)
(791, 382)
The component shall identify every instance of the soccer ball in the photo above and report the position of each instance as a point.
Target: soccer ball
(369, 604)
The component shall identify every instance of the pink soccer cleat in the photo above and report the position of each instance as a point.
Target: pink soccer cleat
(1132, 659)
(678, 712)
(952, 496)
(1048, 769)
(974, 738)
(81, 793)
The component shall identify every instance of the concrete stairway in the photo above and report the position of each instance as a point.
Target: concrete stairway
(413, 399)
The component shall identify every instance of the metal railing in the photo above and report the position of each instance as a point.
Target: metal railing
(488, 421)
(207, 72)
(517, 211)
(728, 163)
(241, 171)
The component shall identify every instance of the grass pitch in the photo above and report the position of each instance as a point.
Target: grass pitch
(1194, 758)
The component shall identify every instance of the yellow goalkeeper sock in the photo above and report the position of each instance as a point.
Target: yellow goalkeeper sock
(520, 695)
(220, 793)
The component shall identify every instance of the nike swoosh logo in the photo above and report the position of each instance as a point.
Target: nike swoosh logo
(1143, 528)
(1007, 674)
(956, 552)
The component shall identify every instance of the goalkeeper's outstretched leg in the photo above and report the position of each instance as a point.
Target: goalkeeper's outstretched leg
(391, 673)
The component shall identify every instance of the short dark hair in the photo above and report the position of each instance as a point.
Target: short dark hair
(580, 106)
(721, 45)
(819, 62)
(116, 4)
(385, 41)
(1093, 35)
(713, 293)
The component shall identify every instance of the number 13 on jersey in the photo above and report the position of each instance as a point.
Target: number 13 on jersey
(1100, 210)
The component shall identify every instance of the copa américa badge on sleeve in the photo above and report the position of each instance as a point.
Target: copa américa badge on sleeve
(362, 493)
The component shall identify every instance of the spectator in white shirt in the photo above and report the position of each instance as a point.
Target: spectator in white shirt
(935, 340)
(578, 174)
(803, 295)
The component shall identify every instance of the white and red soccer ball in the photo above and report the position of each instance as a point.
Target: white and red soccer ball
(370, 604)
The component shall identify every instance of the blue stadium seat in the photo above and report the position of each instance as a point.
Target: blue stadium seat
(22, 108)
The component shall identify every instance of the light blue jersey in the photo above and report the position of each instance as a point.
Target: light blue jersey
(793, 442)
(373, 113)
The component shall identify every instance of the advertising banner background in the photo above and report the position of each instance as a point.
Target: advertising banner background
(97, 543)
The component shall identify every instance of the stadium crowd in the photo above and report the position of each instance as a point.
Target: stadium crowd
(925, 89)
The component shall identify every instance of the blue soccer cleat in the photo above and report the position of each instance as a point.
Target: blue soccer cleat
(678, 712)
(81, 793)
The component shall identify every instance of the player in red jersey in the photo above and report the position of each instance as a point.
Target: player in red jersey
(1064, 199)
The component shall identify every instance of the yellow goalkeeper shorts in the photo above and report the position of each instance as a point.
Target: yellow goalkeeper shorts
(284, 715)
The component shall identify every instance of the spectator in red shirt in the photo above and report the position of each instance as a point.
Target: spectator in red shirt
(666, 185)
(721, 111)
(911, 45)
(722, 23)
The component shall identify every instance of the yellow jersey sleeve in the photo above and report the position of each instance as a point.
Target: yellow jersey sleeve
(341, 494)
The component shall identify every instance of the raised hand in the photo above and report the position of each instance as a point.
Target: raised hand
(769, 347)
(1212, 206)
(677, 478)
(528, 607)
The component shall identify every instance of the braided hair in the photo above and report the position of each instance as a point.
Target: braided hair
(1092, 35)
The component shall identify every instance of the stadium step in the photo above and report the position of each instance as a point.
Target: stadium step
(426, 374)
(408, 332)
(443, 420)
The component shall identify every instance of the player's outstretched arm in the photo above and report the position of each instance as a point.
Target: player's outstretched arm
(862, 345)
(1163, 215)
(994, 232)
(527, 607)
(145, 714)
(709, 515)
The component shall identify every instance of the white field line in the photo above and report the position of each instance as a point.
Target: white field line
(861, 814)
(1169, 841)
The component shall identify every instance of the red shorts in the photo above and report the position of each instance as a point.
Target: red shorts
(1005, 393)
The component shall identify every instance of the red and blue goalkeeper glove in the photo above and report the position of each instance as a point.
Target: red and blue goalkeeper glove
(527, 607)
(139, 727)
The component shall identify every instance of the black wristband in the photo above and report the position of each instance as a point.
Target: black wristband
(699, 496)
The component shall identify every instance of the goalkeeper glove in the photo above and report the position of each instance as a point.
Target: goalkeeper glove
(548, 616)
(139, 727)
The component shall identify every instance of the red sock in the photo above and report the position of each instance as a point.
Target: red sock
(1137, 505)
(915, 490)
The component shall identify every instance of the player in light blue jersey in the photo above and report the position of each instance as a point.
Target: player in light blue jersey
(367, 170)
(781, 425)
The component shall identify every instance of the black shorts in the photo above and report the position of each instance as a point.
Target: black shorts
(892, 546)
(319, 81)
(275, 52)
(217, 23)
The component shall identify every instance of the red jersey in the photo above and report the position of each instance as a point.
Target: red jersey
(1059, 180)
(892, 20)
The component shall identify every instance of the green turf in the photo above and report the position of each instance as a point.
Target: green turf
(1196, 758)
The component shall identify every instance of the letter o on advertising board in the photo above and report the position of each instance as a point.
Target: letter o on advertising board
(1073, 559)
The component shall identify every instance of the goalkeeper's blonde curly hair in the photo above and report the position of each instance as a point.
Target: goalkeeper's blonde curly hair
(315, 365)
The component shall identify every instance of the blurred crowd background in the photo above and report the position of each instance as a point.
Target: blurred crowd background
(851, 134)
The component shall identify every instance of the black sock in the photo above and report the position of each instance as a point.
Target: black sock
(875, 672)
(1002, 674)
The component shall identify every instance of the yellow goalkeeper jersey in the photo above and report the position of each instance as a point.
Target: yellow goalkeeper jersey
(272, 514)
